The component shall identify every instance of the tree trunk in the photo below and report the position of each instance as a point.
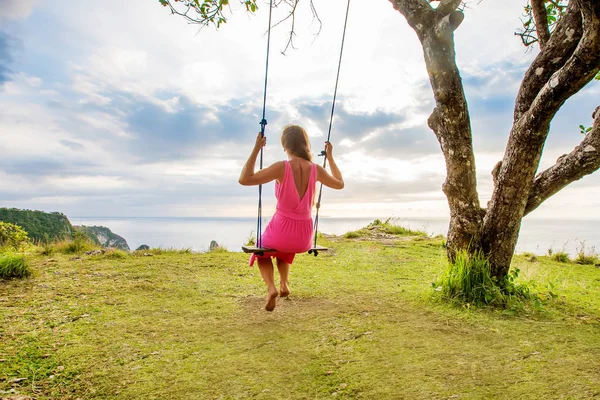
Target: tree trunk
(570, 58)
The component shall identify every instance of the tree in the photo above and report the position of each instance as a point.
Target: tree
(568, 35)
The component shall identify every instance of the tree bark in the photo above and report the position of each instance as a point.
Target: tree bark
(582, 161)
(569, 59)
(540, 17)
(450, 118)
(530, 129)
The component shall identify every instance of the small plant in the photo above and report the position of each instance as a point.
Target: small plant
(251, 241)
(561, 256)
(14, 266)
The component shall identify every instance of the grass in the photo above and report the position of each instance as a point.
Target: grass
(469, 281)
(378, 229)
(14, 265)
(561, 256)
(359, 324)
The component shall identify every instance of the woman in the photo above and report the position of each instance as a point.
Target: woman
(290, 231)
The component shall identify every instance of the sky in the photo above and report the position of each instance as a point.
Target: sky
(120, 109)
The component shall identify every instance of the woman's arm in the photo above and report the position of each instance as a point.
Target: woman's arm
(249, 178)
(335, 180)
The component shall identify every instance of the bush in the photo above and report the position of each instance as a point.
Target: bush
(14, 266)
(561, 256)
(351, 235)
(469, 280)
(12, 235)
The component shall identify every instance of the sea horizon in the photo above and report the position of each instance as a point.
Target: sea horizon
(538, 235)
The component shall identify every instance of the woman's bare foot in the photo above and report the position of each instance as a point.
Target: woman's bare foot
(284, 290)
(271, 300)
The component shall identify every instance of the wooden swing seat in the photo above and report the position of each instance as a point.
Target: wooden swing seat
(261, 250)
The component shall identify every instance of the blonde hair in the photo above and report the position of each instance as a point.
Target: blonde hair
(295, 141)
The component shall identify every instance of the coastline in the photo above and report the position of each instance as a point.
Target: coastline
(537, 236)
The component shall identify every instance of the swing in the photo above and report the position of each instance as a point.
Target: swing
(315, 249)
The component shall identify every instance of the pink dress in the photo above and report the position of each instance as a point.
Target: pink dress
(290, 231)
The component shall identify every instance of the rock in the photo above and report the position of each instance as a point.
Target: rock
(213, 245)
(94, 252)
(143, 247)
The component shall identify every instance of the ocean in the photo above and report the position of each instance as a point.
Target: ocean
(537, 235)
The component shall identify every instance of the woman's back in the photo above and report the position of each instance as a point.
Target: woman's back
(301, 170)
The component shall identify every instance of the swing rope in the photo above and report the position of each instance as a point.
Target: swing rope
(330, 124)
(263, 124)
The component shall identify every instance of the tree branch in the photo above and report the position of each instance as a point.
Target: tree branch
(557, 51)
(447, 6)
(577, 72)
(418, 13)
(540, 17)
(582, 161)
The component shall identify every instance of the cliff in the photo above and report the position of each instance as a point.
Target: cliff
(40, 226)
(104, 237)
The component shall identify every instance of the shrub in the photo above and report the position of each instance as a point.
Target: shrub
(561, 256)
(14, 266)
(12, 235)
(351, 235)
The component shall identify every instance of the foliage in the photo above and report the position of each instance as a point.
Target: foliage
(12, 235)
(469, 281)
(561, 256)
(13, 265)
(209, 12)
(583, 130)
(554, 11)
(40, 226)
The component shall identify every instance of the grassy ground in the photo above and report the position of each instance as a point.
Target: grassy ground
(360, 324)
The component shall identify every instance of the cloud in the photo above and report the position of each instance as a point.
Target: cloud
(6, 56)
(72, 145)
(17, 9)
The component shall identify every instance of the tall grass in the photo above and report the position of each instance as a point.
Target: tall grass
(586, 257)
(469, 280)
(14, 266)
